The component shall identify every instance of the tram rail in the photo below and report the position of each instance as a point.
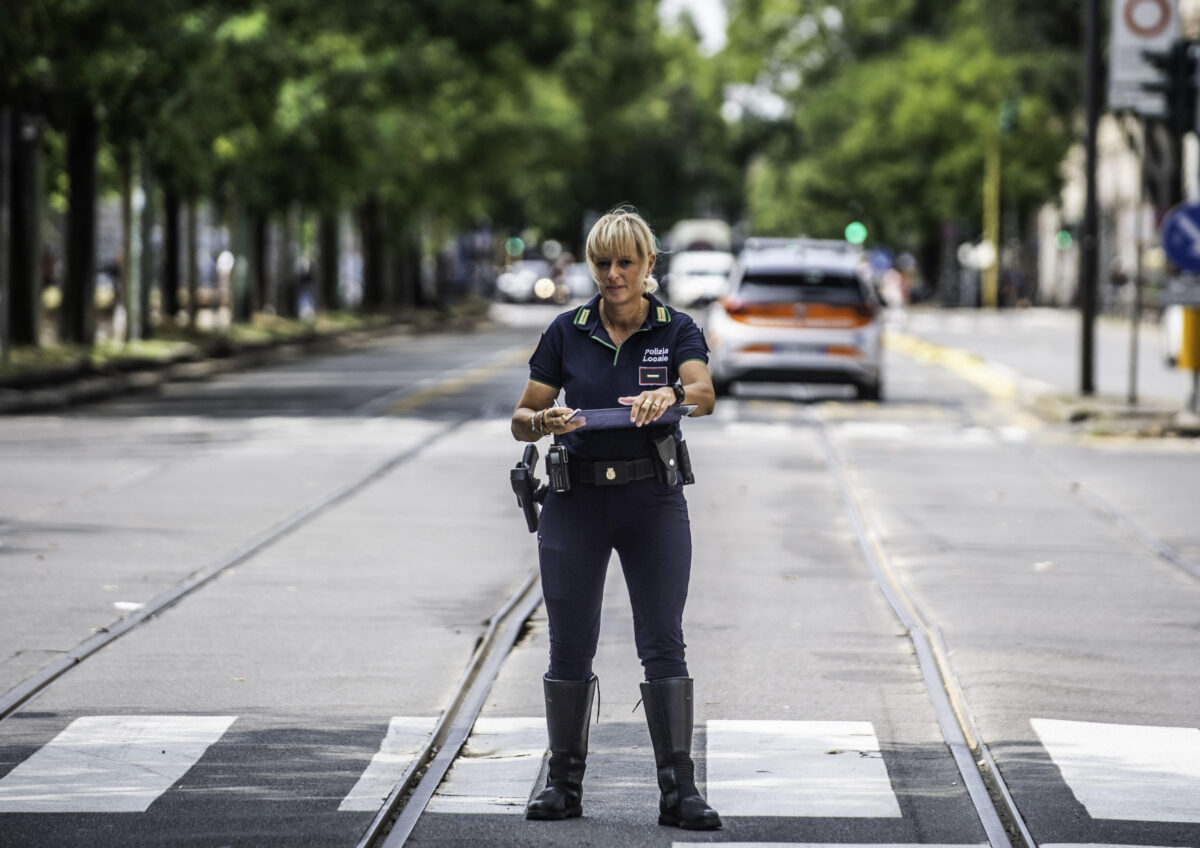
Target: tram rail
(998, 813)
(410, 397)
(1105, 508)
(402, 810)
(400, 813)
(28, 689)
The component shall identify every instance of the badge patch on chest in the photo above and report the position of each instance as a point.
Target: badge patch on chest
(652, 376)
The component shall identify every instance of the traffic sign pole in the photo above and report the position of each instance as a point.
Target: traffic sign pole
(1189, 350)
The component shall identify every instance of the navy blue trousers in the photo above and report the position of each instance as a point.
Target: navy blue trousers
(646, 523)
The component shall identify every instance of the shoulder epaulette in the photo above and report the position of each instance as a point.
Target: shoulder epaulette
(664, 317)
(581, 317)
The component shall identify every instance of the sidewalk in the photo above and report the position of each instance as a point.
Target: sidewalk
(63, 377)
(1033, 357)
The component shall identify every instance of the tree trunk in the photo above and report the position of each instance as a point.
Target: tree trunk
(23, 232)
(170, 267)
(260, 288)
(285, 274)
(240, 284)
(124, 299)
(372, 239)
(78, 303)
(5, 219)
(414, 293)
(329, 259)
(192, 272)
(146, 229)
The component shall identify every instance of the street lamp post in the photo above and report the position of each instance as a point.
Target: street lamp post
(1089, 244)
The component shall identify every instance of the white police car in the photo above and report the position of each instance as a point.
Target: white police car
(799, 311)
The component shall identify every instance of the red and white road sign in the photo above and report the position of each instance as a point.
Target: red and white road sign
(1138, 25)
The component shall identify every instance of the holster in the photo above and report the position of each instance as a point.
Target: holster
(674, 465)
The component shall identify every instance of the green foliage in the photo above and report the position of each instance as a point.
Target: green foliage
(893, 105)
(536, 113)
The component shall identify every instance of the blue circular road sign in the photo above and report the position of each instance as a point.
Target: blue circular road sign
(1181, 236)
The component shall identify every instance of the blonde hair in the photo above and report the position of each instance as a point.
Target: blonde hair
(621, 232)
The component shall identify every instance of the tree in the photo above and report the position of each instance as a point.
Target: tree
(891, 110)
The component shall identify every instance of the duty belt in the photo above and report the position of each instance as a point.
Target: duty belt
(611, 473)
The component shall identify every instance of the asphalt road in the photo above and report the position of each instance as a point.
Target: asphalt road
(353, 516)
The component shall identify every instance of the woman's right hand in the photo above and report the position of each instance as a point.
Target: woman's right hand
(560, 419)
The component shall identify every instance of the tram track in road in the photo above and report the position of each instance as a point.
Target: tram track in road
(1002, 821)
(27, 690)
(456, 380)
(398, 816)
(1110, 512)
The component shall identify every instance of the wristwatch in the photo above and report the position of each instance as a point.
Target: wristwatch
(680, 394)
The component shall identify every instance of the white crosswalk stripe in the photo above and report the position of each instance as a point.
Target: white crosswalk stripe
(101, 764)
(109, 764)
(798, 768)
(405, 738)
(497, 769)
(1125, 771)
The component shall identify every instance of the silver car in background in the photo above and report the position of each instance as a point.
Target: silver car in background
(799, 311)
(698, 277)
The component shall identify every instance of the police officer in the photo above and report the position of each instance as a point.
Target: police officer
(622, 347)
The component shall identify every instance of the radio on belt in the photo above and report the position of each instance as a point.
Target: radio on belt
(556, 468)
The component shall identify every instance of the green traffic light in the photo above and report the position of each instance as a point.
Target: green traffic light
(1063, 240)
(514, 247)
(856, 232)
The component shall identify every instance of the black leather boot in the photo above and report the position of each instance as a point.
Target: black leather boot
(669, 713)
(568, 710)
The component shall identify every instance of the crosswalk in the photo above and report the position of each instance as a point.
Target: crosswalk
(1120, 771)
(798, 768)
(109, 764)
(122, 764)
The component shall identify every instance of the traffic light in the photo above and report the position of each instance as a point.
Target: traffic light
(1176, 70)
(856, 232)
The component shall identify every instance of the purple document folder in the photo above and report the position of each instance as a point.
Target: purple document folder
(618, 416)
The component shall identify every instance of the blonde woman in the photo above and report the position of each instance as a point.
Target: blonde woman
(624, 347)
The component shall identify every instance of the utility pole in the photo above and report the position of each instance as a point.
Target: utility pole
(1089, 243)
(989, 295)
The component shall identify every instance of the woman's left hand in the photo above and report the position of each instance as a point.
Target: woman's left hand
(649, 405)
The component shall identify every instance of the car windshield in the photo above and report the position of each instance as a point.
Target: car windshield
(802, 287)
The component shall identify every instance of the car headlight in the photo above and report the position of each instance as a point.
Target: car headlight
(544, 288)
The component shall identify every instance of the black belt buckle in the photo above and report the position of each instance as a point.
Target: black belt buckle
(611, 473)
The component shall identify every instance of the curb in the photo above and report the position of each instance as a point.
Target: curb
(1100, 416)
(58, 389)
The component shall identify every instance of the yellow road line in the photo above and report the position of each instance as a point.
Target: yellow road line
(961, 362)
(461, 382)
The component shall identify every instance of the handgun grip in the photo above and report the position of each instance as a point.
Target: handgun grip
(524, 485)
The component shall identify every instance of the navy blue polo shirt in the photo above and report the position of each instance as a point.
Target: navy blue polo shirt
(577, 355)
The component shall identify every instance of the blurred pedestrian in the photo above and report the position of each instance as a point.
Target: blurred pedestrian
(624, 347)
